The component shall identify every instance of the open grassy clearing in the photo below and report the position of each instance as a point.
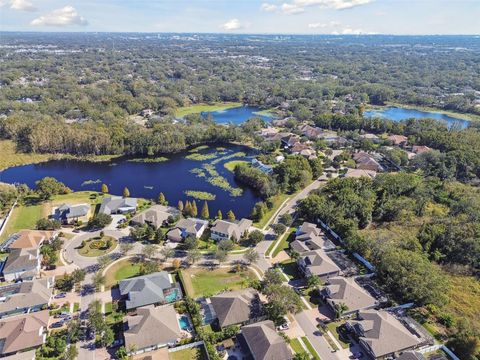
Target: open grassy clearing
(10, 157)
(123, 269)
(334, 329)
(198, 108)
(203, 282)
(195, 353)
(310, 348)
(283, 242)
(296, 346)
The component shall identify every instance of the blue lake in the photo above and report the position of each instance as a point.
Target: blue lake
(172, 177)
(236, 115)
(399, 114)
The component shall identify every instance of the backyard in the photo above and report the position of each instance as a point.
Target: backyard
(204, 282)
(194, 353)
(123, 269)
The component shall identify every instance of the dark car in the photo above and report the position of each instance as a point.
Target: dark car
(57, 324)
(356, 355)
(60, 296)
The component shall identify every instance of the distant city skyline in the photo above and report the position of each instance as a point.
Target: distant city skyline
(347, 17)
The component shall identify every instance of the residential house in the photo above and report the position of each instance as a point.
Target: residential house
(237, 307)
(70, 214)
(156, 216)
(22, 264)
(317, 263)
(310, 237)
(372, 137)
(118, 205)
(413, 355)
(398, 140)
(26, 297)
(381, 334)
(304, 150)
(367, 161)
(341, 290)
(224, 230)
(290, 140)
(263, 342)
(266, 169)
(30, 239)
(358, 173)
(24, 332)
(310, 131)
(156, 288)
(151, 328)
(187, 227)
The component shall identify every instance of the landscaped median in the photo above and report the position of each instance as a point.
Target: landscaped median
(97, 246)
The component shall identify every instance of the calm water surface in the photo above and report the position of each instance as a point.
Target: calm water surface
(146, 180)
(236, 115)
(399, 114)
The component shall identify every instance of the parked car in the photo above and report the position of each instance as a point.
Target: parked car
(283, 327)
(356, 355)
(57, 324)
(60, 296)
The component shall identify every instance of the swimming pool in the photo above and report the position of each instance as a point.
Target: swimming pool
(184, 323)
(172, 295)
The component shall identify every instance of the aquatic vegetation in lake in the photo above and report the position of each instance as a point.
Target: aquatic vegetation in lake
(220, 148)
(149, 160)
(228, 157)
(199, 148)
(217, 180)
(91, 182)
(200, 195)
(201, 157)
(198, 172)
(148, 187)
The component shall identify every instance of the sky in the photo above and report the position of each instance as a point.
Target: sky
(401, 17)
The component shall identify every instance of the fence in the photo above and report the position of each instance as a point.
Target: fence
(5, 221)
(186, 346)
(436, 347)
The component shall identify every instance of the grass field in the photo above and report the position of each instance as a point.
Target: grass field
(333, 327)
(195, 353)
(10, 157)
(230, 166)
(289, 267)
(26, 216)
(203, 282)
(277, 201)
(198, 108)
(296, 346)
(124, 269)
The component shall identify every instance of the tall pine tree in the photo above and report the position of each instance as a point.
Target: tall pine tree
(205, 211)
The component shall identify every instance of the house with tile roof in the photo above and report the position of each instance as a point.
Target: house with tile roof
(237, 307)
(263, 342)
(151, 328)
(24, 332)
(381, 334)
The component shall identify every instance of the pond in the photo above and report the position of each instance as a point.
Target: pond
(237, 115)
(199, 170)
(399, 114)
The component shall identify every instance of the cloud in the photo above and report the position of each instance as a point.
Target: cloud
(292, 9)
(298, 6)
(20, 5)
(330, 24)
(269, 7)
(60, 17)
(350, 31)
(232, 24)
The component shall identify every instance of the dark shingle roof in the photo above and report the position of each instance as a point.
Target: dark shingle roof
(264, 342)
(236, 307)
(145, 290)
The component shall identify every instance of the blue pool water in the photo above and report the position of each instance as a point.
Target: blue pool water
(184, 323)
(399, 114)
(172, 296)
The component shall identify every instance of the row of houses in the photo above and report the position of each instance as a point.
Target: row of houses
(380, 332)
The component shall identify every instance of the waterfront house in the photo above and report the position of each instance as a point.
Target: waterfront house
(118, 205)
(156, 216)
(187, 227)
(70, 214)
(224, 230)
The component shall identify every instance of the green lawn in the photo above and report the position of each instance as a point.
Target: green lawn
(284, 242)
(296, 346)
(289, 267)
(198, 108)
(23, 217)
(195, 353)
(203, 282)
(310, 348)
(277, 201)
(334, 327)
(90, 250)
(124, 269)
(230, 165)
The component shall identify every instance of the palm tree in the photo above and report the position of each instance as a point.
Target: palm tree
(340, 309)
